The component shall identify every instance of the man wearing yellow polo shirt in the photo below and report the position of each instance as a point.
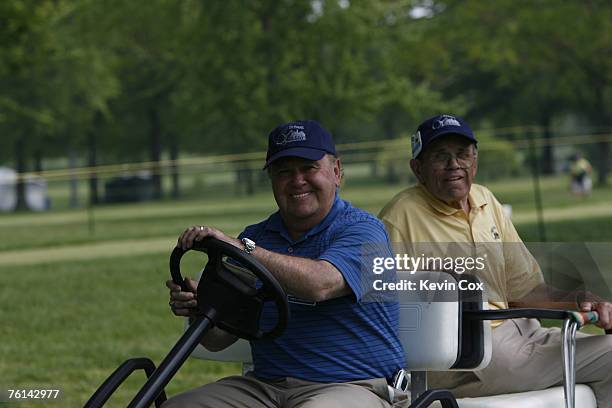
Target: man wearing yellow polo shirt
(445, 211)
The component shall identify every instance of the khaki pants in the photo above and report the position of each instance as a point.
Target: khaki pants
(249, 392)
(527, 357)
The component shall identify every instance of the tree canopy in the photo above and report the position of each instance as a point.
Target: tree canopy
(120, 80)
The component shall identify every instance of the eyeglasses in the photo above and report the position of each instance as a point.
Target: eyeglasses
(465, 160)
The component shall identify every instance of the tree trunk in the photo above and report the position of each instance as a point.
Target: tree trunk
(38, 168)
(155, 148)
(93, 162)
(602, 118)
(20, 166)
(244, 179)
(603, 163)
(174, 167)
(73, 201)
(250, 184)
(548, 157)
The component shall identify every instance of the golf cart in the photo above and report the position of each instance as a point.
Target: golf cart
(436, 335)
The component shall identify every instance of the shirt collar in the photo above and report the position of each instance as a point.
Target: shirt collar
(475, 197)
(276, 224)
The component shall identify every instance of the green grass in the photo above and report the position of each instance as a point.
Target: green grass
(554, 192)
(69, 323)
(597, 229)
(38, 233)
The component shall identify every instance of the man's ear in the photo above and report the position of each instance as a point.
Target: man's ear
(474, 168)
(415, 165)
(338, 172)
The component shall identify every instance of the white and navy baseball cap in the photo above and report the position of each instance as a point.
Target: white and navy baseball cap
(303, 138)
(437, 126)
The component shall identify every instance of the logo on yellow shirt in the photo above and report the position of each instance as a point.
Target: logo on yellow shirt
(495, 233)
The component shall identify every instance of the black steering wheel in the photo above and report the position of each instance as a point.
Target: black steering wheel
(230, 299)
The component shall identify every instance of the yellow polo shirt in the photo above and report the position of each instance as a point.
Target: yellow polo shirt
(418, 222)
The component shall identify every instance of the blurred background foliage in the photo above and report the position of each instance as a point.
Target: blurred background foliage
(98, 82)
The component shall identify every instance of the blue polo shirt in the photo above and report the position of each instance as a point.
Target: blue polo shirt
(343, 339)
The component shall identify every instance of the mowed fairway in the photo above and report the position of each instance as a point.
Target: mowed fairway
(75, 302)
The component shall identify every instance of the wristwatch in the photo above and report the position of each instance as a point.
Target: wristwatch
(249, 245)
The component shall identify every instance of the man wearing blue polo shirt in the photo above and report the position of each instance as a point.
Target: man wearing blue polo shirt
(339, 348)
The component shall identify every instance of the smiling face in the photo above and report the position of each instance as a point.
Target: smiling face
(447, 168)
(304, 190)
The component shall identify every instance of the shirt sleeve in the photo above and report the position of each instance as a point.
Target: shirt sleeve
(353, 250)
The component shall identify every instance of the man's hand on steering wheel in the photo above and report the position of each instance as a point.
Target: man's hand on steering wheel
(222, 296)
(183, 303)
(199, 232)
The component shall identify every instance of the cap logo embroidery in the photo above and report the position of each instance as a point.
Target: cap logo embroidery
(294, 133)
(445, 120)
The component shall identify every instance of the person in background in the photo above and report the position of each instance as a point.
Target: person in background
(446, 207)
(580, 169)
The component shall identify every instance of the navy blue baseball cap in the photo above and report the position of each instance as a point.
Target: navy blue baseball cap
(437, 126)
(303, 138)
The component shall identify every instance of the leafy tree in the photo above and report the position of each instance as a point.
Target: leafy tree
(53, 80)
(26, 119)
(518, 62)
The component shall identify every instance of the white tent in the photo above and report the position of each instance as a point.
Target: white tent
(36, 196)
(8, 196)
